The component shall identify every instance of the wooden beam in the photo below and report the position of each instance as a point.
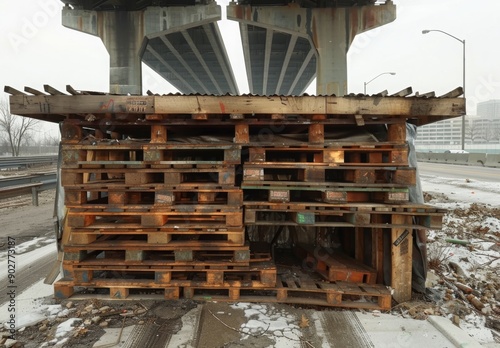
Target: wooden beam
(403, 93)
(71, 90)
(80, 104)
(401, 259)
(359, 120)
(51, 90)
(425, 95)
(33, 91)
(246, 105)
(13, 91)
(384, 93)
(454, 93)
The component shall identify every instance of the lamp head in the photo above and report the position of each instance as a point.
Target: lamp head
(392, 73)
(425, 31)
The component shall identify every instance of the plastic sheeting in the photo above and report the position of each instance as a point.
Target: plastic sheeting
(419, 261)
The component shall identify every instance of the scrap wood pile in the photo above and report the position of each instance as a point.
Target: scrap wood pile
(161, 191)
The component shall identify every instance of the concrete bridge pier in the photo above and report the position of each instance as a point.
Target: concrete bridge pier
(330, 32)
(181, 43)
(122, 33)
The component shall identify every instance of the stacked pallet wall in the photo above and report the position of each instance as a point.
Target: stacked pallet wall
(136, 220)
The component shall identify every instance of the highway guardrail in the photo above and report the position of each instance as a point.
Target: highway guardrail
(470, 159)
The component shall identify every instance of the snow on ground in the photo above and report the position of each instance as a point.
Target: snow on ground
(33, 249)
(25, 259)
(465, 191)
(30, 303)
(32, 308)
(267, 320)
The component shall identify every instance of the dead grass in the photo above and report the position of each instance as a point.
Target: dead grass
(437, 255)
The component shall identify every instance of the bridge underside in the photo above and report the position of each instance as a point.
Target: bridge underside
(135, 5)
(276, 62)
(286, 43)
(193, 60)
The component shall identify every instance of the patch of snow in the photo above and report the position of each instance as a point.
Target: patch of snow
(31, 256)
(277, 325)
(29, 319)
(493, 224)
(62, 342)
(461, 191)
(474, 326)
(30, 302)
(66, 327)
(36, 242)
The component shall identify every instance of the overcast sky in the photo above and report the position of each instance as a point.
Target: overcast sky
(36, 50)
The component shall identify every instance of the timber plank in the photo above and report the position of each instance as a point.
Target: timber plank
(409, 107)
(258, 274)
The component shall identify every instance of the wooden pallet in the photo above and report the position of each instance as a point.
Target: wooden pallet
(304, 291)
(294, 290)
(258, 274)
(335, 266)
(86, 196)
(283, 192)
(238, 259)
(86, 218)
(139, 155)
(374, 154)
(166, 260)
(139, 250)
(149, 242)
(118, 290)
(209, 174)
(370, 215)
(333, 174)
(258, 130)
(234, 236)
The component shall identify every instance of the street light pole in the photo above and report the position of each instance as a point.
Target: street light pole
(390, 73)
(463, 76)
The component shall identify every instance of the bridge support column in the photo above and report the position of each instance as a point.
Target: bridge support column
(122, 33)
(181, 43)
(330, 32)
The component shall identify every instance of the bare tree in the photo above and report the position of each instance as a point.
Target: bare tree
(473, 131)
(50, 139)
(16, 128)
(494, 133)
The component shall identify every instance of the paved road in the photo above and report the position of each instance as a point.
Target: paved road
(24, 224)
(459, 172)
(29, 275)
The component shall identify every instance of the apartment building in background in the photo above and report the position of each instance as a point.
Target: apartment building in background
(483, 128)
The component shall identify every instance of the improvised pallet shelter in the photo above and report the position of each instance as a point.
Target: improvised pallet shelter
(178, 194)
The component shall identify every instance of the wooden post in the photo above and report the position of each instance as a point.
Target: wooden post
(163, 277)
(63, 290)
(172, 293)
(401, 259)
(241, 134)
(378, 248)
(71, 133)
(316, 133)
(396, 132)
(158, 134)
(119, 293)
